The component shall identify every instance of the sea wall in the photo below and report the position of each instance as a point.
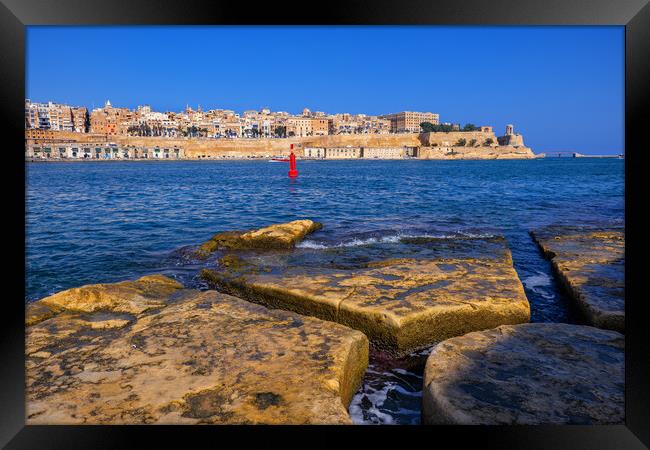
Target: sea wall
(444, 146)
(496, 152)
(425, 145)
(195, 148)
(449, 139)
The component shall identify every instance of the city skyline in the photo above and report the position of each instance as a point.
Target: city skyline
(202, 107)
(562, 87)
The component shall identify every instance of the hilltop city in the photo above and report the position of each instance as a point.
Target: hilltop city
(56, 131)
(217, 123)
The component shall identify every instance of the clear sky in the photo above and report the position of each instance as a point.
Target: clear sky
(562, 87)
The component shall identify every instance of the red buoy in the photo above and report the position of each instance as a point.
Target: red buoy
(293, 172)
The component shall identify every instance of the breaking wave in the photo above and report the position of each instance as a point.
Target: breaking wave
(390, 239)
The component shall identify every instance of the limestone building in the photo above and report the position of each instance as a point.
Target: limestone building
(511, 138)
(314, 152)
(342, 152)
(409, 121)
(382, 152)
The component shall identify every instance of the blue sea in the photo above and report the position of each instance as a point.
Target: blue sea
(92, 222)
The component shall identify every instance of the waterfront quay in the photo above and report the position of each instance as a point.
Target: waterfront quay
(98, 151)
(477, 144)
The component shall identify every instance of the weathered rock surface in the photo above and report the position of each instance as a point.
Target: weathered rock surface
(538, 373)
(280, 236)
(590, 263)
(202, 357)
(131, 297)
(403, 297)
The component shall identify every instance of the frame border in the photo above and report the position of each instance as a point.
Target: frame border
(15, 15)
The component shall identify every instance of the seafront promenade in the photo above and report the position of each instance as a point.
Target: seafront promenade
(484, 144)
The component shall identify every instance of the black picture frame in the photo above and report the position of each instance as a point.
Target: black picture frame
(16, 14)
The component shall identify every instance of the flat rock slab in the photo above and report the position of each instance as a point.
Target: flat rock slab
(284, 235)
(539, 373)
(204, 357)
(130, 297)
(403, 296)
(590, 263)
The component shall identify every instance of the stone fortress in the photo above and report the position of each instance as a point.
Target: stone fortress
(480, 144)
(511, 138)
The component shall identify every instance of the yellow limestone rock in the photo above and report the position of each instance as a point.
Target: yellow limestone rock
(401, 304)
(279, 236)
(205, 358)
(590, 263)
(130, 297)
(529, 374)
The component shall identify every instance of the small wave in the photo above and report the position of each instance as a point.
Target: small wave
(373, 413)
(539, 284)
(387, 397)
(391, 239)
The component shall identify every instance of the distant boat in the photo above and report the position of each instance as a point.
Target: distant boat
(278, 160)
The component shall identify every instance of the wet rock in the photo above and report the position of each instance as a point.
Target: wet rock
(207, 358)
(280, 236)
(402, 297)
(590, 263)
(133, 297)
(540, 373)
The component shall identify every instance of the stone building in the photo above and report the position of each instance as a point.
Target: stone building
(319, 127)
(107, 120)
(53, 116)
(342, 152)
(382, 152)
(314, 152)
(409, 121)
(511, 138)
(299, 126)
(99, 151)
(80, 119)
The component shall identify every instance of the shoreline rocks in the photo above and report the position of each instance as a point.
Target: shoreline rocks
(129, 297)
(279, 236)
(403, 297)
(539, 373)
(159, 353)
(590, 264)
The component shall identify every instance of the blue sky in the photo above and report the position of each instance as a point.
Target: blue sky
(562, 87)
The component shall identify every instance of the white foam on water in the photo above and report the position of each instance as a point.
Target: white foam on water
(406, 372)
(377, 397)
(376, 393)
(540, 279)
(390, 239)
(537, 283)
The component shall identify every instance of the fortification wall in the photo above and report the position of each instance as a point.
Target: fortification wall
(195, 148)
(442, 139)
(498, 152)
(431, 145)
(364, 140)
(511, 139)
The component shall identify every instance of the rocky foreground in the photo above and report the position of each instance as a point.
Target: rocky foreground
(541, 373)
(152, 351)
(402, 297)
(590, 264)
(149, 351)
